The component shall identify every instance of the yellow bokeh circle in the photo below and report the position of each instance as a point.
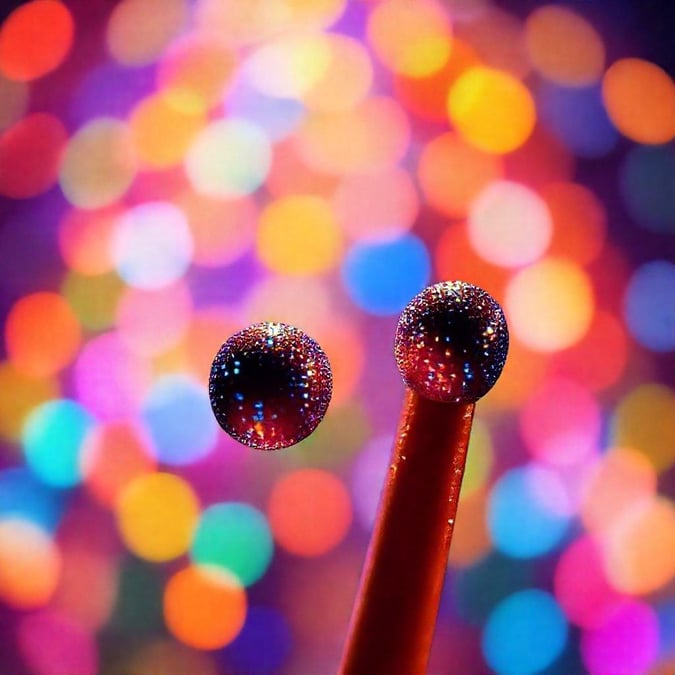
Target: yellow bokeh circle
(550, 304)
(156, 516)
(299, 235)
(491, 109)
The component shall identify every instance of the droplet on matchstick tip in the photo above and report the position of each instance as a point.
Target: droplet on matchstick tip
(451, 342)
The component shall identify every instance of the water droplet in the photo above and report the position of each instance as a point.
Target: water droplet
(451, 342)
(270, 385)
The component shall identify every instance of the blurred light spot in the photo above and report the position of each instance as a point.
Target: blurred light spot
(491, 109)
(309, 512)
(578, 118)
(427, 96)
(263, 626)
(524, 514)
(52, 643)
(196, 72)
(412, 40)
(621, 478)
(53, 436)
(276, 117)
(563, 46)
(35, 39)
(579, 221)
(204, 607)
(373, 135)
(31, 349)
(655, 441)
(84, 240)
(234, 537)
(151, 321)
(640, 100)
(581, 585)
(299, 235)
(152, 245)
(162, 132)
(93, 298)
(110, 380)
(98, 164)
(346, 78)
(222, 231)
(23, 496)
(376, 206)
(640, 547)
(561, 422)
(139, 30)
(178, 415)
(381, 278)
(30, 564)
(525, 633)
(156, 516)
(646, 180)
(229, 158)
(649, 305)
(550, 304)
(30, 151)
(626, 643)
(289, 65)
(452, 173)
(27, 392)
(115, 454)
(509, 224)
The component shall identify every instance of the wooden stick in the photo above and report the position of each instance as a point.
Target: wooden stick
(395, 614)
(451, 344)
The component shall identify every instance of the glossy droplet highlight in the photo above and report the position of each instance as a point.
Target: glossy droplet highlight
(451, 342)
(270, 385)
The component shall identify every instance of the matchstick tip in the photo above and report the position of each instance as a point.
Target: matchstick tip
(451, 342)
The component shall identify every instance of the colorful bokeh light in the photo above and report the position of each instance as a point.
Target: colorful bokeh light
(309, 512)
(234, 537)
(204, 607)
(525, 633)
(174, 170)
(156, 515)
(491, 109)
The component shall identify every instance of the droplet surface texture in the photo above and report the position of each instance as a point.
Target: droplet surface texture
(451, 342)
(270, 385)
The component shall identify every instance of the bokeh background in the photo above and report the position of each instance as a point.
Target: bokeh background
(172, 170)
